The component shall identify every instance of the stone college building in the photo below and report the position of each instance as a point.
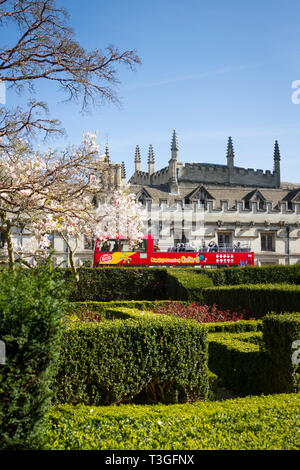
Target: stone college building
(200, 203)
(197, 204)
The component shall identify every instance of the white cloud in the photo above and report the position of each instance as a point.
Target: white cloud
(194, 76)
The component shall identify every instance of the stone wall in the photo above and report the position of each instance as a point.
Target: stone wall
(209, 174)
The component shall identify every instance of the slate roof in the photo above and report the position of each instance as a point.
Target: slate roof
(231, 195)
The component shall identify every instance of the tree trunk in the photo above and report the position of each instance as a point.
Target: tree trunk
(72, 264)
(10, 248)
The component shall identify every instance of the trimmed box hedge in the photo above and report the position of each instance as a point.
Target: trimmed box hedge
(255, 275)
(107, 284)
(255, 362)
(240, 364)
(251, 423)
(257, 300)
(118, 305)
(282, 343)
(149, 358)
(124, 309)
(186, 284)
(241, 326)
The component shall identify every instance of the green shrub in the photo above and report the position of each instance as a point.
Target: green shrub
(123, 309)
(147, 357)
(255, 362)
(240, 364)
(252, 423)
(257, 300)
(281, 332)
(105, 307)
(252, 337)
(186, 284)
(255, 275)
(241, 326)
(213, 385)
(31, 307)
(119, 284)
(105, 284)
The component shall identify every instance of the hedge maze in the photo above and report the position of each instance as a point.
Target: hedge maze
(122, 368)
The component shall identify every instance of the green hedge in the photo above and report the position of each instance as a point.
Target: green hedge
(119, 305)
(252, 423)
(31, 307)
(186, 284)
(123, 309)
(108, 284)
(240, 326)
(252, 337)
(281, 334)
(148, 358)
(255, 275)
(258, 300)
(240, 364)
(105, 284)
(255, 362)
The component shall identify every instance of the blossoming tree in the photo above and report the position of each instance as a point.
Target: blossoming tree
(51, 192)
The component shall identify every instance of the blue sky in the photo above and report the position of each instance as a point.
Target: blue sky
(209, 70)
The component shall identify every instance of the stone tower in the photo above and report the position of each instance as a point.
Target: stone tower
(277, 163)
(150, 161)
(230, 153)
(107, 157)
(137, 159)
(173, 180)
(123, 172)
(230, 159)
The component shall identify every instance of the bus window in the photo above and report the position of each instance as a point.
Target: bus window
(140, 246)
(125, 245)
(114, 245)
(108, 246)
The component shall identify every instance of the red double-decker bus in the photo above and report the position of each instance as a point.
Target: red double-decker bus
(119, 252)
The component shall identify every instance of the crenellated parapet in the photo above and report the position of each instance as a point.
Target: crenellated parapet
(177, 174)
(223, 175)
(139, 177)
(271, 209)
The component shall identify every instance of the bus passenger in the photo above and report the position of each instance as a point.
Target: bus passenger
(211, 246)
(237, 247)
(105, 246)
(116, 246)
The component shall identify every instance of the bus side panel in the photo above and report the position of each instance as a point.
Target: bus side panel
(172, 259)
